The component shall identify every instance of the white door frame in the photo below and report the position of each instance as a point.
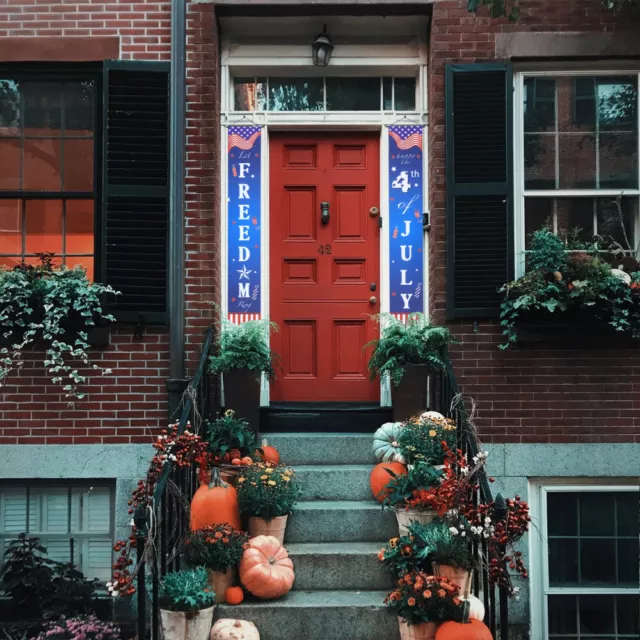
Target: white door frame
(324, 122)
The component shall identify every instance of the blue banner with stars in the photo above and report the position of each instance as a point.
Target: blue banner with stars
(243, 234)
(405, 220)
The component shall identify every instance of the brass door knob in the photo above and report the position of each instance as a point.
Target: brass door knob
(373, 300)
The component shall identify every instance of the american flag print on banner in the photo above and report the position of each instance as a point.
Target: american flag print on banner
(244, 217)
(406, 137)
(406, 271)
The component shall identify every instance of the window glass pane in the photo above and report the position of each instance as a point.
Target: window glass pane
(387, 94)
(628, 614)
(296, 94)
(597, 514)
(539, 161)
(628, 508)
(353, 94)
(42, 164)
(617, 103)
(78, 108)
(42, 108)
(597, 561)
(628, 555)
(85, 262)
(577, 160)
(9, 108)
(78, 165)
(539, 104)
(249, 94)
(405, 94)
(79, 226)
(563, 561)
(538, 213)
(597, 614)
(562, 514)
(575, 219)
(10, 154)
(10, 227)
(563, 614)
(44, 226)
(618, 223)
(618, 156)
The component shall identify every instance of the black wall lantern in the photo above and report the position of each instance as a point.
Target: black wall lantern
(321, 49)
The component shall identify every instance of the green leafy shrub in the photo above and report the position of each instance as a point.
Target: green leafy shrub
(583, 284)
(54, 304)
(416, 342)
(186, 590)
(245, 346)
(218, 548)
(228, 432)
(41, 588)
(267, 492)
(408, 488)
(420, 439)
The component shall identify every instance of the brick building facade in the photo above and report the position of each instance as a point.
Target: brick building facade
(557, 417)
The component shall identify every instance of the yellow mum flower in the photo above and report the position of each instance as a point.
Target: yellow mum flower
(286, 478)
(432, 433)
(269, 470)
(263, 477)
(272, 483)
(241, 480)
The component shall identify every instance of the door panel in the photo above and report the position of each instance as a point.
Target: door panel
(321, 274)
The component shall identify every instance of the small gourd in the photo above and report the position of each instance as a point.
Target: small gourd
(385, 443)
(268, 453)
(230, 629)
(476, 607)
(432, 415)
(234, 595)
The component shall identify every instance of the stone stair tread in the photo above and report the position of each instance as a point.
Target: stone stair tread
(333, 467)
(327, 435)
(337, 598)
(333, 548)
(321, 505)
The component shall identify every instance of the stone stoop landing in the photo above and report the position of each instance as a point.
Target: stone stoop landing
(333, 538)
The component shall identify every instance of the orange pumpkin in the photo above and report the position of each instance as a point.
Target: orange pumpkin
(266, 569)
(215, 502)
(268, 453)
(234, 595)
(247, 461)
(236, 462)
(380, 478)
(472, 630)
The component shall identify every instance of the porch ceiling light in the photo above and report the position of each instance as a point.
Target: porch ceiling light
(321, 49)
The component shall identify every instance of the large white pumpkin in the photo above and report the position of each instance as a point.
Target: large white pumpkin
(385, 445)
(431, 415)
(230, 629)
(476, 607)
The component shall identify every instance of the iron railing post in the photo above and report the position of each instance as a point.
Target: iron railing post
(140, 521)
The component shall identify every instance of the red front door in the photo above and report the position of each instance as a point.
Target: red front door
(324, 266)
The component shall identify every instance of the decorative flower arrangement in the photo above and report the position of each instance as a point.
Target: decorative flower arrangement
(420, 439)
(217, 548)
(229, 439)
(415, 489)
(183, 450)
(419, 597)
(79, 628)
(55, 304)
(267, 491)
(580, 284)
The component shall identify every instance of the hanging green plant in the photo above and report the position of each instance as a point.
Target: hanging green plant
(56, 305)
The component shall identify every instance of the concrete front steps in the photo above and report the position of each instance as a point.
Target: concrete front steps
(333, 538)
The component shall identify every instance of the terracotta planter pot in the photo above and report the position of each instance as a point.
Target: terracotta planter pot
(178, 625)
(458, 576)
(220, 581)
(422, 631)
(242, 394)
(404, 516)
(409, 398)
(262, 527)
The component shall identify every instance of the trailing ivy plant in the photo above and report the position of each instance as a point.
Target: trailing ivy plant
(557, 281)
(416, 342)
(511, 10)
(54, 304)
(245, 346)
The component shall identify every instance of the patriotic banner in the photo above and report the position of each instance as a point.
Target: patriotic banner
(243, 234)
(405, 220)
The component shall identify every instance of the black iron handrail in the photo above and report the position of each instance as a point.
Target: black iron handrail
(446, 397)
(164, 512)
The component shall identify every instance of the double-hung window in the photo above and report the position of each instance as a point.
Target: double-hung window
(577, 150)
(47, 168)
(73, 521)
(587, 550)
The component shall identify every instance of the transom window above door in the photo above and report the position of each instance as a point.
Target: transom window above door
(325, 94)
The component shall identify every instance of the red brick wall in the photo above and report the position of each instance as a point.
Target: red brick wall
(130, 404)
(535, 393)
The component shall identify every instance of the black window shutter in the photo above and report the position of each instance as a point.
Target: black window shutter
(135, 188)
(479, 197)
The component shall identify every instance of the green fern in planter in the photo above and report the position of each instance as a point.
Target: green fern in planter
(187, 590)
(400, 345)
(245, 346)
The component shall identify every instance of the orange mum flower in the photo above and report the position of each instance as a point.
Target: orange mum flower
(426, 594)
(381, 555)
(411, 602)
(456, 601)
(441, 593)
(218, 535)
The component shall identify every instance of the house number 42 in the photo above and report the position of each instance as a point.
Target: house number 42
(324, 249)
